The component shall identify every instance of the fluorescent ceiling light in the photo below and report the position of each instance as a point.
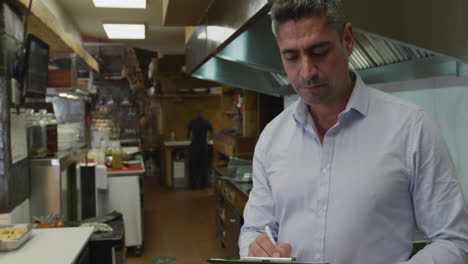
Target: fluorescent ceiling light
(120, 3)
(125, 31)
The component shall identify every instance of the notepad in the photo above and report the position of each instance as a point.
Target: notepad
(268, 259)
(256, 260)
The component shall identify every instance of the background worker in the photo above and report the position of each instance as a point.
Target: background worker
(198, 162)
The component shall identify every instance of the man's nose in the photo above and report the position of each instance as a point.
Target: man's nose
(308, 68)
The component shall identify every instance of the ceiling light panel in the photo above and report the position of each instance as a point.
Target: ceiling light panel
(125, 31)
(120, 3)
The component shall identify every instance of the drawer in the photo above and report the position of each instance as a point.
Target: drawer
(219, 184)
(240, 202)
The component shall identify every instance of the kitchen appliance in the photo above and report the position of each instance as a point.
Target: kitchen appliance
(54, 185)
(129, 204)
(88, 190)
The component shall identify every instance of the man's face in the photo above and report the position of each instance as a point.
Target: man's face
(315, 58)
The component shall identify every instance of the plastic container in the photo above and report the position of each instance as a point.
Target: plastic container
(117, 156)
(52, 134)
(101, 153)
(36, 131)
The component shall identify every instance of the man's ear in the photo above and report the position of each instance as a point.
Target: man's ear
(348, 39)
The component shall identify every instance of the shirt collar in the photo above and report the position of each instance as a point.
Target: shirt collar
(301, 111)
(359, 101)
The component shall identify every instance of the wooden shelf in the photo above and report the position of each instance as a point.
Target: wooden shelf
(234, 146)
(48, 28)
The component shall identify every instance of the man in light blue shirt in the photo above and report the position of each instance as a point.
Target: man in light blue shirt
(347, 173)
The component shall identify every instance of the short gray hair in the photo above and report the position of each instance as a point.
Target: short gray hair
(285, 10)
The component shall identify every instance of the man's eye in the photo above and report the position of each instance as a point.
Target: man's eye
(290, 57)
(322, 51)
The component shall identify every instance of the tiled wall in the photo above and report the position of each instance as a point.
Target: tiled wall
(445, 100)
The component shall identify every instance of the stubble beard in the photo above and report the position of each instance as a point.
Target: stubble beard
(318, 97)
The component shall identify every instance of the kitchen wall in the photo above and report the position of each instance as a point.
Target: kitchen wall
(177, 111)
(445, 100)
(14, 178)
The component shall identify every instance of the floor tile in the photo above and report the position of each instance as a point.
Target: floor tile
(178, 224)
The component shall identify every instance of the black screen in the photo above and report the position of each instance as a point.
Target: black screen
(36, 67)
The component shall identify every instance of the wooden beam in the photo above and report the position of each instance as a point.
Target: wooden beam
(46, 26)
(188, 32)
(184, 12)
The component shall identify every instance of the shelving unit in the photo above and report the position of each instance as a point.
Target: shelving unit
(229, 108)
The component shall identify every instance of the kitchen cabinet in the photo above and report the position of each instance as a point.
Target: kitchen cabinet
(230, 198)
(170, 147)
(232, 227)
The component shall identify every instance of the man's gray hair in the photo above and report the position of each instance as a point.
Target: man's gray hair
(285, 10)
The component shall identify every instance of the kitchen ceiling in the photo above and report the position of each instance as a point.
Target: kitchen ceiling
(89, 20)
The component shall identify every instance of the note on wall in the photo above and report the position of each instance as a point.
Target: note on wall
(19, 147)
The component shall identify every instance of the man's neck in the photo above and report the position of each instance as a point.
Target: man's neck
(326, 115)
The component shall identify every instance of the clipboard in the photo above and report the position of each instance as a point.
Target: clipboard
(257, 260)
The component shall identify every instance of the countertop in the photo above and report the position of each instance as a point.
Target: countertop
(62, 158)
(180, 143)
(244, 187)
(50, 246)
(126, 171)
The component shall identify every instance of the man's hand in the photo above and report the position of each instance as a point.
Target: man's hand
(262, 247)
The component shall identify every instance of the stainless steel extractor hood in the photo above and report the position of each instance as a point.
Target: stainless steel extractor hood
(245, 54)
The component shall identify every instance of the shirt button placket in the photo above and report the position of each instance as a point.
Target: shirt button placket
(324, 189)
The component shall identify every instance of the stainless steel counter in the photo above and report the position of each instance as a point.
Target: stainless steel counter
(54, 184)
(64, 158)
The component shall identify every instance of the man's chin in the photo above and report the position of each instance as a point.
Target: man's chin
(313, 100)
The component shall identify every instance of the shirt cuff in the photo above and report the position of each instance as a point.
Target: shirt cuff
(244, 242)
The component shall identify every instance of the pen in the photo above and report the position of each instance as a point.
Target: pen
(268, 232)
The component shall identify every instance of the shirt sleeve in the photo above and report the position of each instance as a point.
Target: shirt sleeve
(439, 206)
(260, 208)
(190, 125)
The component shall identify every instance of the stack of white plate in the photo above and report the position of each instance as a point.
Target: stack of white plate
(68, 135)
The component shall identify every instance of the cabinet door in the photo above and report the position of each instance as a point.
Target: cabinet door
(220, 216)
(232, 229)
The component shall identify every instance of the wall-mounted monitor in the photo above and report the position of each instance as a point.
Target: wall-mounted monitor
(35, 67)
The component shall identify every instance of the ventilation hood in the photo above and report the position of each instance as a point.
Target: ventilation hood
(427, 39)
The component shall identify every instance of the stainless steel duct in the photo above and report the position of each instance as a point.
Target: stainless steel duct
(384, 51)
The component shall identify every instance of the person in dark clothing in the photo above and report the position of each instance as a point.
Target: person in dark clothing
(198, 162)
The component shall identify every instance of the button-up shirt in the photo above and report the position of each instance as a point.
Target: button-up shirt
(382, 170)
